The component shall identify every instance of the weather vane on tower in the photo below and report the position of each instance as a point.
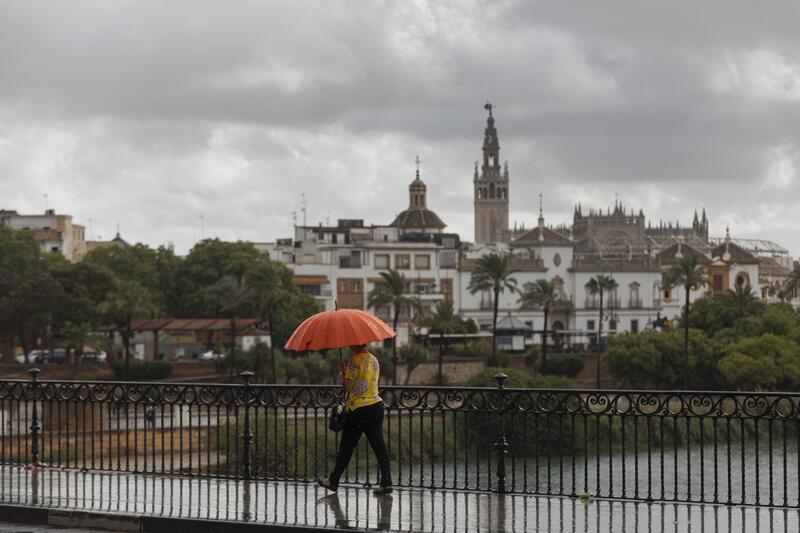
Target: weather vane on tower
(488, 106)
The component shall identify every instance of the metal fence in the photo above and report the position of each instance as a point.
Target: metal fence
(702, 447)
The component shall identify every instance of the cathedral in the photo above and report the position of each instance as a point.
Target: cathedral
(616, 241)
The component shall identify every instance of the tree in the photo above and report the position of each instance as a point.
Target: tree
(126, 302)
(597, 286)
(207, 263)
(138, 263)
(542, 294)
(689, 275)
(653, 359)
(19, 259)
(413, 355)
(765, 362)
(391, 292)
(792, 285)
(37, 306)
(230, 295)
(493, 273)
(443, 320)
(743, 300)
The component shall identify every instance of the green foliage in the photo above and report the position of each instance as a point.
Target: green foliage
(469, 326)
(765, 362)
(517, 379)
(483, 350)
(142, 370)
(655, 360)
(476, 348)
(532, 355)
(43, 294)
(563, 365)
(413, 355)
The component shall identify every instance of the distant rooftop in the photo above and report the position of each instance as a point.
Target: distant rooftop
(754, 246)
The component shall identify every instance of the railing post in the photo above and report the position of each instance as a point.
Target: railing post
(35, 427)
(501, 444)
(247, 436)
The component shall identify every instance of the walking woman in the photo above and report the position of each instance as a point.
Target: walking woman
(364, 415)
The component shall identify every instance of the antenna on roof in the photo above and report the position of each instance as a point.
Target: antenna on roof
(303, 208)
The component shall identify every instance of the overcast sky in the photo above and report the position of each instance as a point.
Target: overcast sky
(150, 114)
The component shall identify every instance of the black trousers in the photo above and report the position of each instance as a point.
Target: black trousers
(369, 421)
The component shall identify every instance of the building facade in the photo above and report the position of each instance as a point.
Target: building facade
(341, 264)
(54, 233)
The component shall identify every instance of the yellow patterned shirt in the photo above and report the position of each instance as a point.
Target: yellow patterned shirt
(363, 370)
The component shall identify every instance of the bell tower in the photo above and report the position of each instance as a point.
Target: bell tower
(490, 188)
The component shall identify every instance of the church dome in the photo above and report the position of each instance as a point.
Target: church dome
(418, 216)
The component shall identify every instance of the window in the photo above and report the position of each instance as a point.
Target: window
(557, 260)
(342, 287)
(422, 262)
(717, 283)
(381, 260)
(402, 261)
(447, 287)
(612, 325)
(590, 325)
(334, 238)
(356, 286)
(634, 326)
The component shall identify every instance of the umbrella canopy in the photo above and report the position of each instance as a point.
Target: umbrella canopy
(337, 329)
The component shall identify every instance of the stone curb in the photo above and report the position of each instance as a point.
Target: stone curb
(123, 522)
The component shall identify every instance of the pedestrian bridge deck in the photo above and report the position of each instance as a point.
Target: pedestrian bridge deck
(138, 502)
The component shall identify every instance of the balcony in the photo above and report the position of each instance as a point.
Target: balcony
(350, 262)
(591, 304)
(635, 303)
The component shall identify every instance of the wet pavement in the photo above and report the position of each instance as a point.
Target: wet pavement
(305, 505)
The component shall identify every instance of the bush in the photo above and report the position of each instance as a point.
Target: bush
(142, 371)
(532, 355)
(518, 379)
(480, 349)
(563, 365)
(483, 350)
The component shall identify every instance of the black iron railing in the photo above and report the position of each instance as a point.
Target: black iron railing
(703, 447)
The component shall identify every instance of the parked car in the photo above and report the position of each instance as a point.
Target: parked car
(93, 356)
(35, 357)
(210, 355)
(59, 355)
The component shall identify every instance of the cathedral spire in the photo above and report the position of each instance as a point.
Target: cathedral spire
(541, 212)
(491, 190)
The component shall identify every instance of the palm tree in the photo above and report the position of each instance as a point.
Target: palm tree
(542, 294)
(792, 286)
(493, 273)
(391, 292)
(689, 275)
(127, 301)
(443, 320)
(742, 298)
(230, 294)
(597, 286)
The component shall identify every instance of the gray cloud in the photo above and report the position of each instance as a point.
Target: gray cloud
(149, 114)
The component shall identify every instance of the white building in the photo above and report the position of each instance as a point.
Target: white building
(343, 263)
(54, 233)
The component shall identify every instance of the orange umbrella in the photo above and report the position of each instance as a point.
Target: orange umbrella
(337, 329)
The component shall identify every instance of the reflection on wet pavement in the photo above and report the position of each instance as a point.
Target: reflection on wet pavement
(292, 503)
